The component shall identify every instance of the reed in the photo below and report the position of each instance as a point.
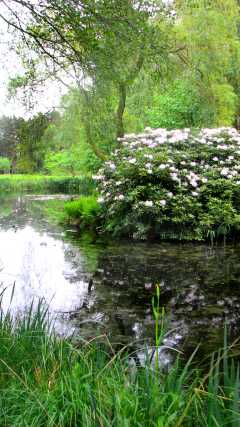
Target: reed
(48, 381)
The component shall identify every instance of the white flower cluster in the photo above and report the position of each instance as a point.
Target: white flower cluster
(178, 160)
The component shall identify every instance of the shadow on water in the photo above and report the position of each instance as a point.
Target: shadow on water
(95, 288)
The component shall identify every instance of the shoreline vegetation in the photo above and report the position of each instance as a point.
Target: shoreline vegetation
(167, 185)
(180, 185)
(14, 183)
(48, 381)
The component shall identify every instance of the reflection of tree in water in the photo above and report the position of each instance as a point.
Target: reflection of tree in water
(84, 248)
(15, 212)
(198, 288)
(8, 205)
(22, 210)
(199, 285)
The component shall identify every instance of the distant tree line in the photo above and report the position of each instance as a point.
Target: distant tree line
(22, 149)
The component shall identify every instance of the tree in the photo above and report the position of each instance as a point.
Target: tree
(210, 31)
(10, 138)
(5, 165)
(106, 43)
(31, 150)
(65, 138)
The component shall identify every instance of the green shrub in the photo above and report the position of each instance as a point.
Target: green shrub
(173, 185)
(83, 211)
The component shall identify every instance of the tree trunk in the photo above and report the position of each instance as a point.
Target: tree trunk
(120, 109)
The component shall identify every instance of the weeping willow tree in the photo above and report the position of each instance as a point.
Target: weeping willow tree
(100, 47)
(127, 64)
(210, 31)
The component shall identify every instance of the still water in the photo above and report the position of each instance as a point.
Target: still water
(94, 288)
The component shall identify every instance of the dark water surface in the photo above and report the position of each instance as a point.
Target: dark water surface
(94, 288)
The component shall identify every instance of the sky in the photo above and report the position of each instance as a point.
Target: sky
(10, 66)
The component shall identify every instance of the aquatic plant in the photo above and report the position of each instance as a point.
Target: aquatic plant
(176, 184)
(159, 327)
(84, 211)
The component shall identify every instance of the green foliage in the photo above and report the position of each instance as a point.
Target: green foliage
(118, 39)
(45, 184)
(199, 85)
(212, 63)
(84, 211)
(62, 163)
(68, 148)
(179, 106)
(5, 165)
(47, 381)
(173, 185)
(142, 67)
(31, 151)
(10, 138)
(21, 142)
(97, 111)
(225, 104)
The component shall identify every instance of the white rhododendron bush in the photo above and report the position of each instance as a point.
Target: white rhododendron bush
(178, 184)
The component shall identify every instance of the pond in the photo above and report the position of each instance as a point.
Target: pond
(94, 288)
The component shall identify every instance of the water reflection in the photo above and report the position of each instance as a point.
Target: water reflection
(35, 259)
(98, 288)
(39, 266)
(199, 288)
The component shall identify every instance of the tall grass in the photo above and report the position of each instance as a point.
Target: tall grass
(44, 184)
(47, 381)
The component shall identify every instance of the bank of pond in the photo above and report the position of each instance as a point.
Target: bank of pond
(13, 183)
